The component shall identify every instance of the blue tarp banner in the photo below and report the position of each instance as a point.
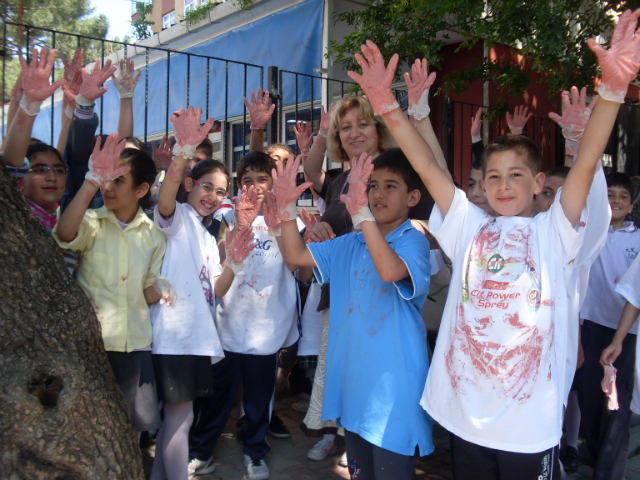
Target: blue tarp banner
(290, 39)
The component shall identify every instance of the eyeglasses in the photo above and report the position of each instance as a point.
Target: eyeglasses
(44, 169)
(209, 189)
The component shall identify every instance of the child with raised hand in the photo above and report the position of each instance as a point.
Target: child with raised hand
(377, 354)
(185, 340)
(607, 432)
(255, 319)
(120, 253)
(500, 359)
(38, 169)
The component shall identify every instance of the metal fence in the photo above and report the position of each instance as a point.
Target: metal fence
(455, 118)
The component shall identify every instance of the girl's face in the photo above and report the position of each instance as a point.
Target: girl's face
(121, 196)
(206, 194)
(358, 135)
(44, 184)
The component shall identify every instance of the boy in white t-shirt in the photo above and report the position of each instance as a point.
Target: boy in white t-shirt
(255, 319)
(607, 431)
(497, 381)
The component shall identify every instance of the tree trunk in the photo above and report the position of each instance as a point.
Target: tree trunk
(62, 415)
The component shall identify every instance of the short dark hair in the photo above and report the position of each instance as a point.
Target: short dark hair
(560, 172)
(395, 161)
(206, 146)
(274, 146)
(476, 165)
(143, 170)
(619, 179)
(140, 145)
(256, 161)
(207, 166)
(36, 148)
(521, 145)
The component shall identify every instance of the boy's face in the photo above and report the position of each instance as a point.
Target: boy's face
(389, 198)
(199, 155)
(510, 185)
(42, 185)
(280, 155)
(548, 194)
(261, 181)
(620, 203)
(475, 193)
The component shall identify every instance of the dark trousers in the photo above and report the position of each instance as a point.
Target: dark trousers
(474, 462)
(606, 432)
(370, 462)
(211, 413)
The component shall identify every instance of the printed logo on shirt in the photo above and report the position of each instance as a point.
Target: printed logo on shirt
(354, 468)
(492, 285)
(206, 286)
(495, 263)
(533, 299)
(465, 291)
(266, 245)
(631, 253)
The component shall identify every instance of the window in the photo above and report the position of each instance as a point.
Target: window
(189, 5)
(168, 20)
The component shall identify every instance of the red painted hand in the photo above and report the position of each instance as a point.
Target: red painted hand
(70, 69)
(103, 164)
(358, 180)
(126, 79)
(91, 87)
(476, 123)
(376, 79)
(187, 127)
(418, 89)
(247, 207)
(574, 117)
(35, 79)
(519, 119)
(619, 64)
(270, 211)
(239, 246)
(162, 155)
(304, 136)
(310, 221)
(285, 188)
(258, 111)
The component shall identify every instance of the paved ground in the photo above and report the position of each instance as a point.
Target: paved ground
(288, 459)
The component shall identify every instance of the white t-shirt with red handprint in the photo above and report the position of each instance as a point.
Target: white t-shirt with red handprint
(498, 372)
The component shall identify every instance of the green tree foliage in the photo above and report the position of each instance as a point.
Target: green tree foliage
(550, 35)
(141, 26)
(73, 16)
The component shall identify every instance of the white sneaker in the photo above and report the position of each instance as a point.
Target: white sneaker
(256, 469)
(323, 448)
(343, 460)
(198, 467)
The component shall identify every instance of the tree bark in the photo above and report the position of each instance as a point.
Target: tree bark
(62, 415)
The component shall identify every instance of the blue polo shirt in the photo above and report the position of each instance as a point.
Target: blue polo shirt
(377, 360)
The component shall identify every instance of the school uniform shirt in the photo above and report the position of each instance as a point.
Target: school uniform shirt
(377, 359)
(259, 313)
(595, 236)
(191, 264)
(498, 373)
(629, 288)
(603, 305)
(114, 269)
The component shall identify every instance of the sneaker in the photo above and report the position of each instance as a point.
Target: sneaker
(199, 467)
(301, 407)
(343, 460)
(323, 448)
(570, 459)
(277, 428)
(256, 469)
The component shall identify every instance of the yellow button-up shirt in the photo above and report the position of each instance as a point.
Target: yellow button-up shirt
(114, 268)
